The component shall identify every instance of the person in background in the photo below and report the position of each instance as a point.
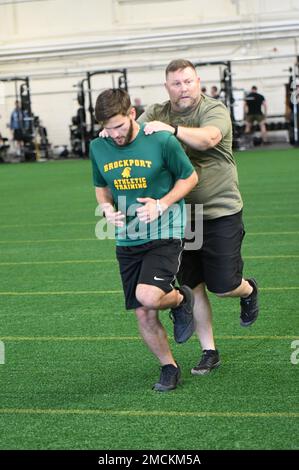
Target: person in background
(138, 107)
(16, 126)
(215, 93)
(255, 107)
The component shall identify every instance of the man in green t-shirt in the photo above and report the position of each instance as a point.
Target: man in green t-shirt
(203, 126)
(140, 184)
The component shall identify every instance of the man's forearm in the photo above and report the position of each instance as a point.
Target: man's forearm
(199, 138)
(106, 203)
(104, 198)
(181, 188)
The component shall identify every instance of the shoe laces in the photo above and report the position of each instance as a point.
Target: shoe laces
(246, 306)
(167, 371)
(206, 354)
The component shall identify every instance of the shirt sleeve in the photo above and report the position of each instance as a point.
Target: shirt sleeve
(176, 159)
(148, 115)
(219, 117)
(98, 179)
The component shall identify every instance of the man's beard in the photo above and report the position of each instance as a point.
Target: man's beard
(128, 137)
(129, 134)
(182, 105)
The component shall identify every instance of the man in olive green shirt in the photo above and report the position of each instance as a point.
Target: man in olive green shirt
(203, 127)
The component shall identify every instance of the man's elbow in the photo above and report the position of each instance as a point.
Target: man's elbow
(215, 141)
(211, 139)
(208, 144)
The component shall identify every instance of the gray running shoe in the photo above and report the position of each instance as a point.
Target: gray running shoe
(210, 360)
(169, 378)
(182, 316)
(249, 305)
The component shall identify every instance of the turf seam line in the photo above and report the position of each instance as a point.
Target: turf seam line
(65, 224)
(158, 413)
(78, 261)
(58, 224)
(87, 292)
(54, 224)
(113, 260)
(136, 338)
(103, 292)
(57, 240)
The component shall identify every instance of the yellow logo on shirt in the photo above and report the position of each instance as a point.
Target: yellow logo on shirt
(126, 173)
(128, 184)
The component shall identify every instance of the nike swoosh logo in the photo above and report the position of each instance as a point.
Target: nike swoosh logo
(158, 278)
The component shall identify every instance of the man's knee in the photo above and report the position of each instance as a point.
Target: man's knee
(263, 126)
(149, 296)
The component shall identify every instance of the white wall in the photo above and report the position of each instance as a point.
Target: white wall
(55, 42)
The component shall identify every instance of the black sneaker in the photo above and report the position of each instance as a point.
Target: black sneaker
(169, 378)
(182, 316)
(210, 360)
(249, 305)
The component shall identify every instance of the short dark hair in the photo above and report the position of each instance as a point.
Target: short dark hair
(112, 102)
(254, 87)
(178, 64)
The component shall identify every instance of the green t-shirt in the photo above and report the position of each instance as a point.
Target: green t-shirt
(148, 166)
(218, 187)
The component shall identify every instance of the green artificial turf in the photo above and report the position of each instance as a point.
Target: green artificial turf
(77, 375)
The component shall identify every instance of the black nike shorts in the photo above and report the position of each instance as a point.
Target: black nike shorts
(155, 263)
(218, 263)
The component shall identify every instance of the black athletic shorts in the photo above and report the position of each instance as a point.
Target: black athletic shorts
(218, 263)
(155, 263)
(18, 135)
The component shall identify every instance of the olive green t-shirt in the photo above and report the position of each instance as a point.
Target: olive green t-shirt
(149, 166)
(218, 187)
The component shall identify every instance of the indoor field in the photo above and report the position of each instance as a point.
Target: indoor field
(123, 343)
(76, 373)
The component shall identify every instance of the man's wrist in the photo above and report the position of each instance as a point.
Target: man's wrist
(106, 207)
(161, 206)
